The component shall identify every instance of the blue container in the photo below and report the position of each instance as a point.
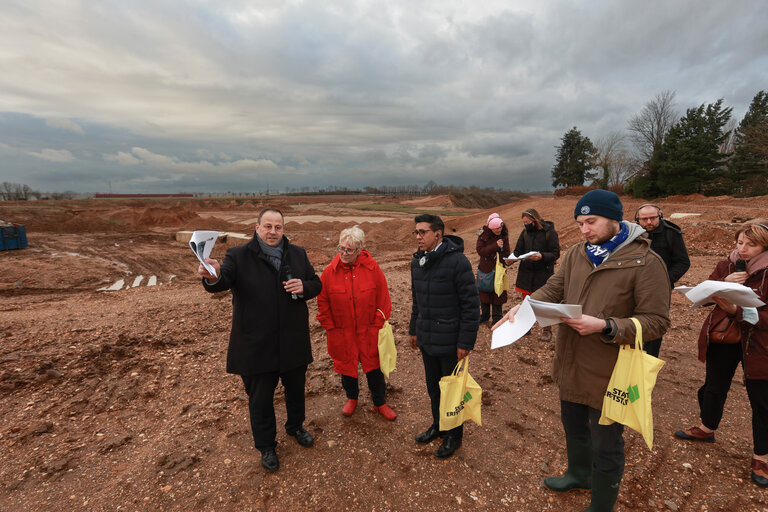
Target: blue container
(12, 237)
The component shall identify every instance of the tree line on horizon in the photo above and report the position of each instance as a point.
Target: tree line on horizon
(704, 151)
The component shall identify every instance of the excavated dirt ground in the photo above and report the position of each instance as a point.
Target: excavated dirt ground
(119, 400)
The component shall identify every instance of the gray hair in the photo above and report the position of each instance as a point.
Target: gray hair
(355, 235)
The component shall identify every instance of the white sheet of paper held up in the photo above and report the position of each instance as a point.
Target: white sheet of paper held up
(202, 243)
(735, 293)
(525, 256)
(549, 313)
(509, 332)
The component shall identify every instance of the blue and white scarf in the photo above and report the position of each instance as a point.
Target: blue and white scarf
(598, 253)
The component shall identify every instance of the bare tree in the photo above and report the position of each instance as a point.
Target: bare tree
(607, 150)
(649, 127)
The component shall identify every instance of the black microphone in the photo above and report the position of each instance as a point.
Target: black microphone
(740, 266)
(288, 277)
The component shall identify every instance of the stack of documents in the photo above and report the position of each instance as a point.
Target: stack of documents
(734, 293)
(530, 312)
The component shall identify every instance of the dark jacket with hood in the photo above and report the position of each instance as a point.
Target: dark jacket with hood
(667, 242)
(488, 250)
(270, 330)
(446, 311)
(533, 274)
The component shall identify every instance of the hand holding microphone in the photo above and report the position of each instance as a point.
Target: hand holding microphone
(739, 274)
(293, 286)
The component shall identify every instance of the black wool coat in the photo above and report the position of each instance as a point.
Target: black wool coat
(667, 242)
(446, 310)
(532, 275)
(270, 330)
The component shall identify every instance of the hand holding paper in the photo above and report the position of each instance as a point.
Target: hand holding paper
(734, 293)
(202, 243)
(525, 256)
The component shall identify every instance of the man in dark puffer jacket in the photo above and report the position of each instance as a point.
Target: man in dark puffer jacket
(444, 317)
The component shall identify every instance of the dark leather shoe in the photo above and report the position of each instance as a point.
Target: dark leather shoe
(269, 460)
(760, 472)
(450, 445)
(303, 437)
(696, 434)
(428, 435)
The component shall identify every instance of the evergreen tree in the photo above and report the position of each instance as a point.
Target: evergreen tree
(748, 169)
(574, 160)
(690, 158)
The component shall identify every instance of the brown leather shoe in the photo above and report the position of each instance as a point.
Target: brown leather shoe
(759, 472)
(696, 434)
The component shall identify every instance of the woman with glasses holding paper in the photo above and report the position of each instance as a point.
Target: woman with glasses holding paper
(731, 335)
(538, 236)
(352, 307)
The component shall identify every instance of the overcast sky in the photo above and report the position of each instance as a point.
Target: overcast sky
(194, 96)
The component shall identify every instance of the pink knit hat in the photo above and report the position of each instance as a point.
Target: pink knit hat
(494, 221)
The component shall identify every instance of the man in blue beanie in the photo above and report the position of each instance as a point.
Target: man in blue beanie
(615, 276)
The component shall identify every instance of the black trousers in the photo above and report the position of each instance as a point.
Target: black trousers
(722, 360)
(261, 395)
(376, 384)
(485, 312)
(652, 347)
(582, 422)
(435, 368)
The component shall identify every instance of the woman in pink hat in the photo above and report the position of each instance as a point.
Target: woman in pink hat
(493, 241)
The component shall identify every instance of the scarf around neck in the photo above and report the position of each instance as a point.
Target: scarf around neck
(273, 254)
(756, 264)
(598, 253)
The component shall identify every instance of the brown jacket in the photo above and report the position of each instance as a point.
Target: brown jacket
(631, 282)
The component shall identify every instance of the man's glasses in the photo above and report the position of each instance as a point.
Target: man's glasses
(646, 219)
(344, 250)
(421, 232)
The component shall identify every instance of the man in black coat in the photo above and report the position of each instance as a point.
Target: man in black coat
(666, 241)
(444, 316)
(271, 280)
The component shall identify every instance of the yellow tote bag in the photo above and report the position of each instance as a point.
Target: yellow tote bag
(628, 397)
(500, 281)
(387, 350)
(460, 397)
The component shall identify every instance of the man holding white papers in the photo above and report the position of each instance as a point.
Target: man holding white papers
(614, 276)
(271, 281)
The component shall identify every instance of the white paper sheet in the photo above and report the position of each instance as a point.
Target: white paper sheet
(735, 293)
(509, 332)
(202, 243)
(548, 313)
(525, 256)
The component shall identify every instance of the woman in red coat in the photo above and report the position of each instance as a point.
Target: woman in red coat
(751, 351)
(352, 307)
(493, 241)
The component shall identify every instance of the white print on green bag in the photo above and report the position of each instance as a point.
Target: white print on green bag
(460, 407)
(617, 395)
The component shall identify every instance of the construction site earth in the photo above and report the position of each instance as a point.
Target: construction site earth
(115, 396)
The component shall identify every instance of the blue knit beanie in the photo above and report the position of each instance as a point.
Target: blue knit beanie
(600, 202)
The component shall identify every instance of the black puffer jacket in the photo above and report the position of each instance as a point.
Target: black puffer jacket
(446, 310)
(270, 331)
(533, 274)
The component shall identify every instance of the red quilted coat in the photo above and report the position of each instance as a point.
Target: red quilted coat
(347, 310)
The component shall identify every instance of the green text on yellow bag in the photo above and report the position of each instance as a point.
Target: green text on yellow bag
(387, 350)
(628, 397)
(460, 397)
(500, 281)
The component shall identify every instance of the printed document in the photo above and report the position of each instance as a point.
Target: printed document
(202, 243)
(549, 313)
(736, 293)
(509, 332)
(525, 256)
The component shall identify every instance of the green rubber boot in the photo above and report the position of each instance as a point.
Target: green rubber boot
(605, 491)
(579, 473)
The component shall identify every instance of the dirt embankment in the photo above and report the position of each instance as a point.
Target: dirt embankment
(120, 400)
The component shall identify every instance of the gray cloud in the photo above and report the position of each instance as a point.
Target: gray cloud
(160, 95)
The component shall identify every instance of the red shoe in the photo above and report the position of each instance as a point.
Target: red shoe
(759, 472)
(386, 411)
(349, 407)
(696, 434)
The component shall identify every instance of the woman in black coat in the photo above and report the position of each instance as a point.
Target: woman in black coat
(492, 243)
(540, 236)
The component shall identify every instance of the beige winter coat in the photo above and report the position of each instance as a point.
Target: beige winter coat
(631, 282)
